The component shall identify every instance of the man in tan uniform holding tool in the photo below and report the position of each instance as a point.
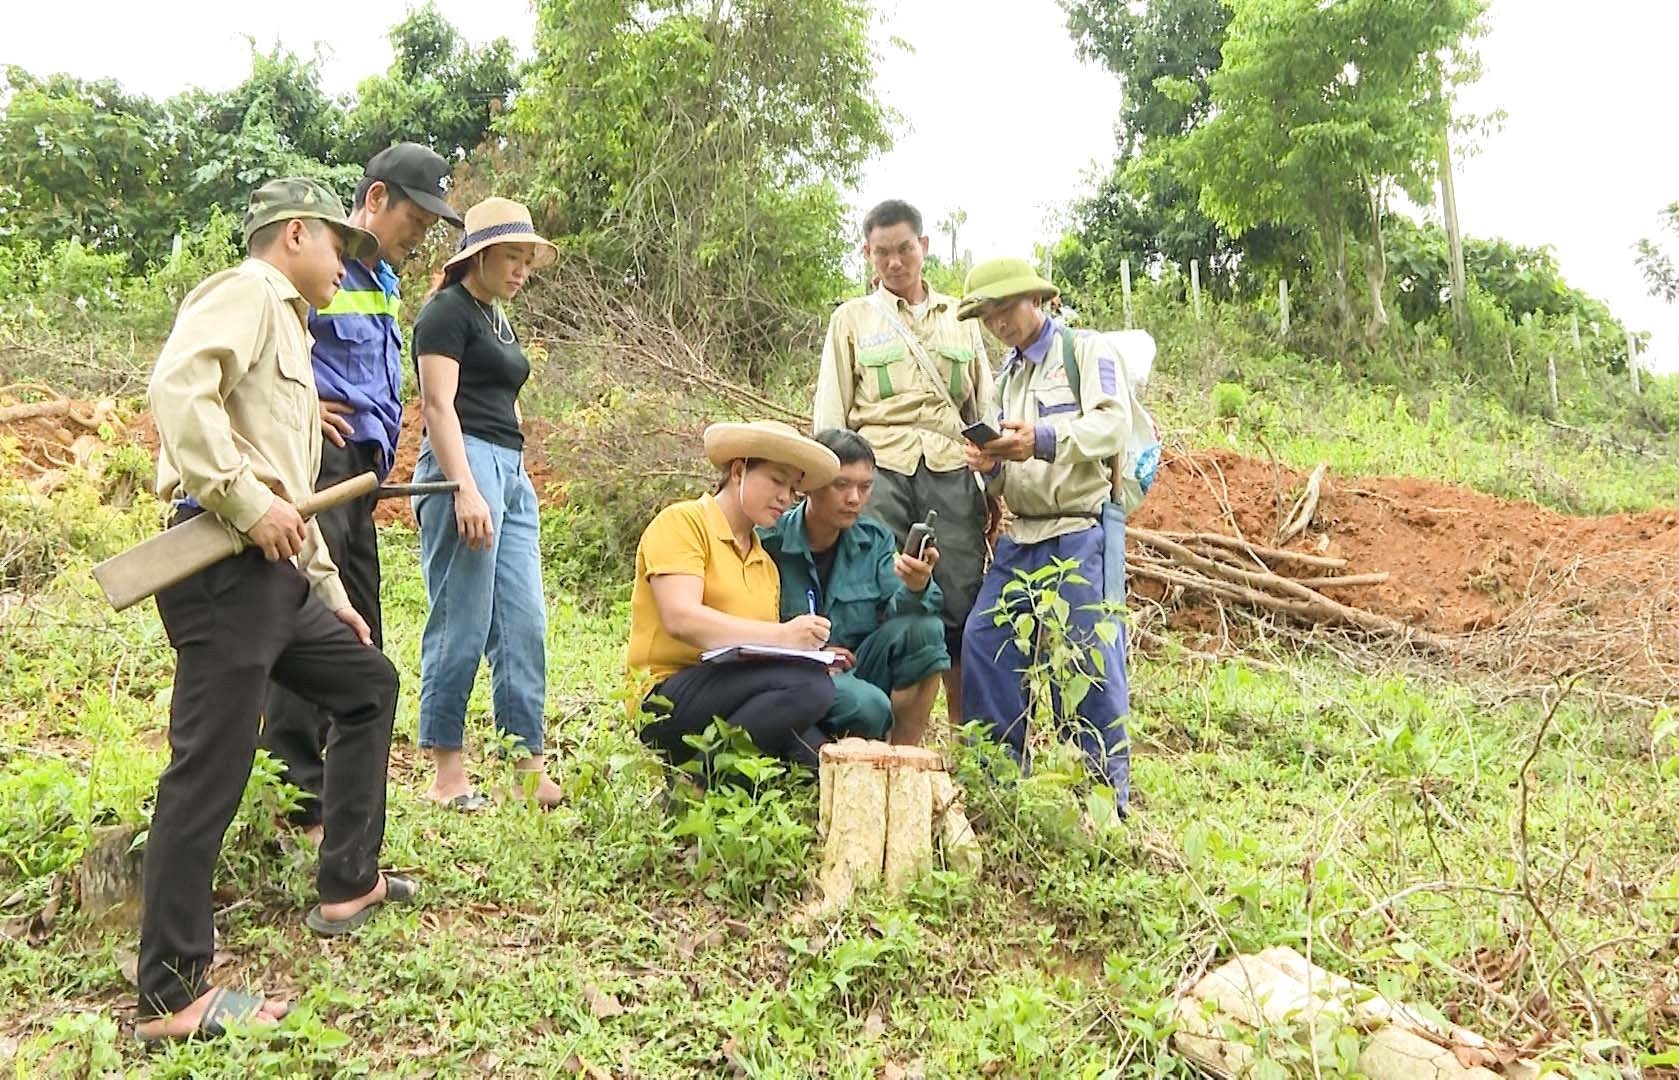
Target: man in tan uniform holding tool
(901, 371)
(235, 403)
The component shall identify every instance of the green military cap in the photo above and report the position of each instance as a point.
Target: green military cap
(1001, 279)
(299, 197)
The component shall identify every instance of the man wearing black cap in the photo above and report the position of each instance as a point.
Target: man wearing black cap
(357, 358)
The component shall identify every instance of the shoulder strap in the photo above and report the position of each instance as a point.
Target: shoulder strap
(918, 353)
(1070, 362)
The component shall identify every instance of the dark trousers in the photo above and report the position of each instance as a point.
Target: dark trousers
(900, 501)
(294, 730)
(777, 704)
(234, 626)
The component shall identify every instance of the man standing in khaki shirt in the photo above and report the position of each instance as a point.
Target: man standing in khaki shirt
(899, 369)
(234, 399)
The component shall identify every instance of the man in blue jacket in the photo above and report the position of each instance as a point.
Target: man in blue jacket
(357, 358)
(884, 606)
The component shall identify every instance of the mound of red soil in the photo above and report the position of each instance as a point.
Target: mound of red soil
(548, 489)
(1540, 590)
(1459, 560)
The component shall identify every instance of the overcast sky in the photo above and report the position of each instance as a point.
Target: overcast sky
(1578, 163)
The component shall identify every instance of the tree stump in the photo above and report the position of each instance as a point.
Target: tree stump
(1221, 1018)
(108, 879)
(883, 808)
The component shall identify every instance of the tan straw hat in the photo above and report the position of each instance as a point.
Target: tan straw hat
(501, 221)
(771, 440)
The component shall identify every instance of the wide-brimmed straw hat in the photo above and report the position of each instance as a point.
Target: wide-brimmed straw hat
(771, 440)
(501, 221)
(1001, 279)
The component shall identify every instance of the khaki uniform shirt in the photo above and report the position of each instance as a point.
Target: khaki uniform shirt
(870, 381)
(233, 394)
(1063, 488)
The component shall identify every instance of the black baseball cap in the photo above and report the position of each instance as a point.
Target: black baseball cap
(421, 173)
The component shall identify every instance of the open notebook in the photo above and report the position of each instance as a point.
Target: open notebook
(733, 654)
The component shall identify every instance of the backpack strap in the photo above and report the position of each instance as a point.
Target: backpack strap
(1070, 363)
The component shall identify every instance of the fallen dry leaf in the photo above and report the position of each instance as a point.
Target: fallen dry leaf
(602, 1005)
(579, 1066)
(875, 1026)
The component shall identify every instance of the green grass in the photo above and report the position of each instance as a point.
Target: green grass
(1218, 385)
(1273, 807)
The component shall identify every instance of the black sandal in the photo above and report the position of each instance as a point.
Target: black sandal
(398, 890)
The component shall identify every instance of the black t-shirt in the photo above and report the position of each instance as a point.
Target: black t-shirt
(454, 324)
(824, 561)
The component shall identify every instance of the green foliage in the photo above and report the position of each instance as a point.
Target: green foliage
(1656, 264)
(1320, 111)
(749, 837)
(80, 160)
(1165, 55)
(123, 174)
(698, 152)
(1519, 281)
(1230, 400)
(440, 91)
(81, 319)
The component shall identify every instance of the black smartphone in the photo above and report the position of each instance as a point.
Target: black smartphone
(920, 535)
(979, 433)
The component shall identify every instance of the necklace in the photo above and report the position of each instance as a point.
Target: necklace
(498, 328)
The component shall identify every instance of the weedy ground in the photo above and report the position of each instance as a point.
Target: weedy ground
(1511, 861)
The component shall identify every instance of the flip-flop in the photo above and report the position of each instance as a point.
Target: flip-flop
(469, 803)
(398, 890)
(223, 1008)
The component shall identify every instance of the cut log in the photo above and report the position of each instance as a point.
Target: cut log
(882, 808)
(1228, 1013)
(1345, 581)
(1288, 595)
(1301, 515)
(1266, 554)
(108, 879)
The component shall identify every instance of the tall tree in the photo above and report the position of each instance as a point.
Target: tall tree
(279, 122)
(440, 90)
(952, 224)
(1655, 264)
(81, 161)
(1320, 112)
(1164, 54)
(698, 147)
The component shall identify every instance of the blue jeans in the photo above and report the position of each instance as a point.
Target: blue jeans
(484, 602)
(993, 668)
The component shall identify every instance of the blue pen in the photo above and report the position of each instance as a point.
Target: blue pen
(810, 596)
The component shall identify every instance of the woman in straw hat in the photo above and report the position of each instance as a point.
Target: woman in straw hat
(478, 546)
(703, 580)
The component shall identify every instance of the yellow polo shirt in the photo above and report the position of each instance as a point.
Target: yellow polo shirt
(694, 538)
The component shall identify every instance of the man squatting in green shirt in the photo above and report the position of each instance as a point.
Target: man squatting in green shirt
(884, 607)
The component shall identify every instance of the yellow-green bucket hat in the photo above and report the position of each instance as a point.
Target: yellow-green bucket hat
(1001, 279)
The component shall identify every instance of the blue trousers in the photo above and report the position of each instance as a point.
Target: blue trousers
(483, 603)
(993, 667)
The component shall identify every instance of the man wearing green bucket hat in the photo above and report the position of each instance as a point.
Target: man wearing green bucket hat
(239, 437)
(903, 372)
(1065, 415)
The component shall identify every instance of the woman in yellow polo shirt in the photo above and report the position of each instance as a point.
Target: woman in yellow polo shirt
(704, 580)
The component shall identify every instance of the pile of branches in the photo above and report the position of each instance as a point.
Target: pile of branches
(1608, 618)
(1265, 580)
